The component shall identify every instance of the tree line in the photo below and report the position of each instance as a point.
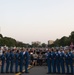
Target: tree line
(64, 41)
(10, 42)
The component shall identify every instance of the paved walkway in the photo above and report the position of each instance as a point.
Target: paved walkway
(37, 70)
(40, 70)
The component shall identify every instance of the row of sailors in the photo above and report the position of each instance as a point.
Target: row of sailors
(59, 61)
(12, 57)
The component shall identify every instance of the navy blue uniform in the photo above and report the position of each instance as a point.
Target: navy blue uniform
(7, 61)
(12, 61)
(67, 62)
(58, 62)
(16, 62)
(71, 61)
(53, 62)
(3, 61)
(49, 62)
(21, 61)
(26, 61)
(62, 62)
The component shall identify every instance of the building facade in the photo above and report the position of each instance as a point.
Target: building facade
(50, 42)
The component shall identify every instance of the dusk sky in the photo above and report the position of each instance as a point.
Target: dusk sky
(36, 20)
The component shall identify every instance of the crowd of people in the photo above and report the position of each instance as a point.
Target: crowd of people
(56, 59)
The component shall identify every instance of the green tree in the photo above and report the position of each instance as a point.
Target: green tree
(35, 45)
(44, 45)
(1, 36)
(56, 43)
(72, 36)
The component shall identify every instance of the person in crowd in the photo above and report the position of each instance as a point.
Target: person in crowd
(57, 62)
(11, 60)
(71, 46)
(53, 61)
(16, 61)
(67, 61)
(70, 60)
(21, 59)
(73, 61)
(61, 57)
(35, 56)
(49, 61)
(3, 61)
(7, 60)
(40, 59)
(26, 56)
(31, 58)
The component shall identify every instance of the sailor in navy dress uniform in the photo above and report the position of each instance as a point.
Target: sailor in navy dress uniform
(73, 61)
(70, 54)
(49, 61)
(3, 62)
(26, 55)
(53, 61)
(11, 60)
(62, 61)
(67, 61)
(57, 62)
(21, 57)
(7, 61)
(16, 61)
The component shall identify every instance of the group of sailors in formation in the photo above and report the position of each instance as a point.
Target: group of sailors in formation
(56, 60)
(12, 57)
(60, 60)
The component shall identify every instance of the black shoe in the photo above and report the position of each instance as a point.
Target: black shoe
(64, 73)
(2, 72)
(15, 72)
(57, 73)
(48, 73)
(26, 72)
(69, 73)
(11, 72)
(7, 72)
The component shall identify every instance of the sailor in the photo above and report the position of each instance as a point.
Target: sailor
(3, 61)
(49, 61)
(67, 61)
(53, 61)
(16, 61)
(7, 60)
(57, 62)
(62, 61)
(11, 60)
(26, 60)
(21, 57)
(70, 61)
